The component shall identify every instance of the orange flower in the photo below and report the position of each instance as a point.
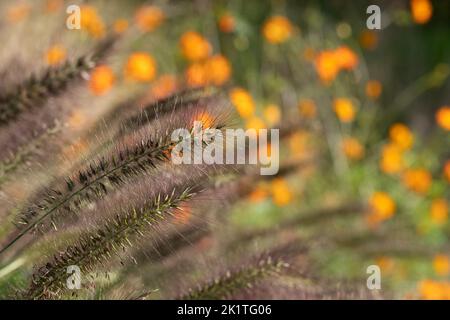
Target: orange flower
(227, 23)
(243, 102)
(277, 29)
(299, 143)
(196, 75)
(258, 194)
(206, 119)
(447, 170)
(120, 26)
(18, 12)
(218, 70)
(421, 11)
(281, 192)
(368, 39)
(272, 114)
(307, 108)
(194, 46)
(391, 159)
(443, 118)
(183, 214)
(91, 21)
(401, 136)
(352, 148)
(53, 5)
(328, 63)
(56, 54)
(140, 67)
(382, 205)
(434, 290)
(148, 18)
(373, 89)
(441, 265)
(164, 86)
(439, 211)
(326, 66)
(417, 180)
(346, 58)
(386, 264)
(255, 123)
(344, 109)
(102, 79)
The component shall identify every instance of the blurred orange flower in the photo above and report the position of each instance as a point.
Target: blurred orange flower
(417, 180)
(439, 211)
(307, 108)
(140, 67)
(277, 29)
(352, 148)
(373, 89)
(346, 58)
(368, 39)
(218, 70)
(259, 193)
(447, 170)
(243, 102)
(194, 46)
(272, 114)
(255, 123)
(164, 86)
(401, 136)
(326, 65)
(120, 26)
(148, 18)
(281, 192)
(386, 264)
(344, 109)
(53, 5)
(299, 144)
(102, 79)
(443, 118)
(227, 23)
(56, 54)
(18, 12)
(421, 11)
(382, 207)
(206, 119)
(91, 21)
(391, 159)
(183, 214)
(434, 290)
(196, 75)
(441, 265)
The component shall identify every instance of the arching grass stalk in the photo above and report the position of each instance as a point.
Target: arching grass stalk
(234, 280)
(34, 91)
(172, 103)
(90, 184)
(94, 181)
(97, 247)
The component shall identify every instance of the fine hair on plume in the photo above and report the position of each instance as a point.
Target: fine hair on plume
(239, 275)
(136, 153)
(36, 90)
(139, 211)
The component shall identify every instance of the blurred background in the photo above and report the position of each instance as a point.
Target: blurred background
(364, 117)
